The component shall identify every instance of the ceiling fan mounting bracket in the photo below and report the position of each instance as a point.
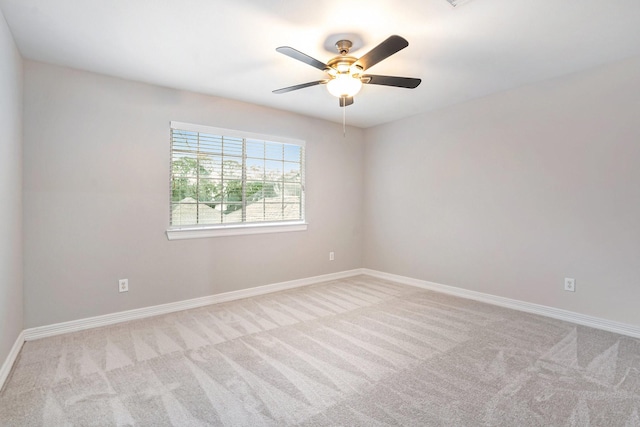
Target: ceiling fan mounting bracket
(344, 46)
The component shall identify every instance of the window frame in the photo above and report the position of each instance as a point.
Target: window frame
(178, 232)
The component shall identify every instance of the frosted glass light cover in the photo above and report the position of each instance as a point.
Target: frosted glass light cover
(344, 85)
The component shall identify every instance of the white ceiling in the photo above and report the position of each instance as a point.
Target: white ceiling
(227, 48)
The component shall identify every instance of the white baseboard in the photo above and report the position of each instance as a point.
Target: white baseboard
(139, 313)
(555, 313)
(5, 370)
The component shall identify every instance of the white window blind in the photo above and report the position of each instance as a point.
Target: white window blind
(222, 177)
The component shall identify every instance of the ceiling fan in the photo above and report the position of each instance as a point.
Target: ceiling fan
(346, 73)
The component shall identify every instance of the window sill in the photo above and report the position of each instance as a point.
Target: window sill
(233, 230)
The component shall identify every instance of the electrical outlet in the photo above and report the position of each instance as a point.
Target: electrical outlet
(123, 285)
(569, 284)
(331, 256)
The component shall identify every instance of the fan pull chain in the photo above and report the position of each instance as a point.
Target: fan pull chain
(344, 117)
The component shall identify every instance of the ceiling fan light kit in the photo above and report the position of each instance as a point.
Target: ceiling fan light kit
(346, 73)
(345, 77)
(344, 85)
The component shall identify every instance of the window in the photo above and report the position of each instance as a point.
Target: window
(229, 182)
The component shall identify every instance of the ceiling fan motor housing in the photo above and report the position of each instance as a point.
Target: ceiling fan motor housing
(341, 64)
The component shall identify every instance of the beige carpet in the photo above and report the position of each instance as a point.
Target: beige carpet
(358, 351)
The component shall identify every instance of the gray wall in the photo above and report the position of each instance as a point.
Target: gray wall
(511, 193)
(96, 180)
(11, 303)
(506, 195)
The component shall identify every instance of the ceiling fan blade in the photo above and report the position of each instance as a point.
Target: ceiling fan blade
(384, 50)
(296, 54)
(345, 101)
(406, 82)
(301, 86)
